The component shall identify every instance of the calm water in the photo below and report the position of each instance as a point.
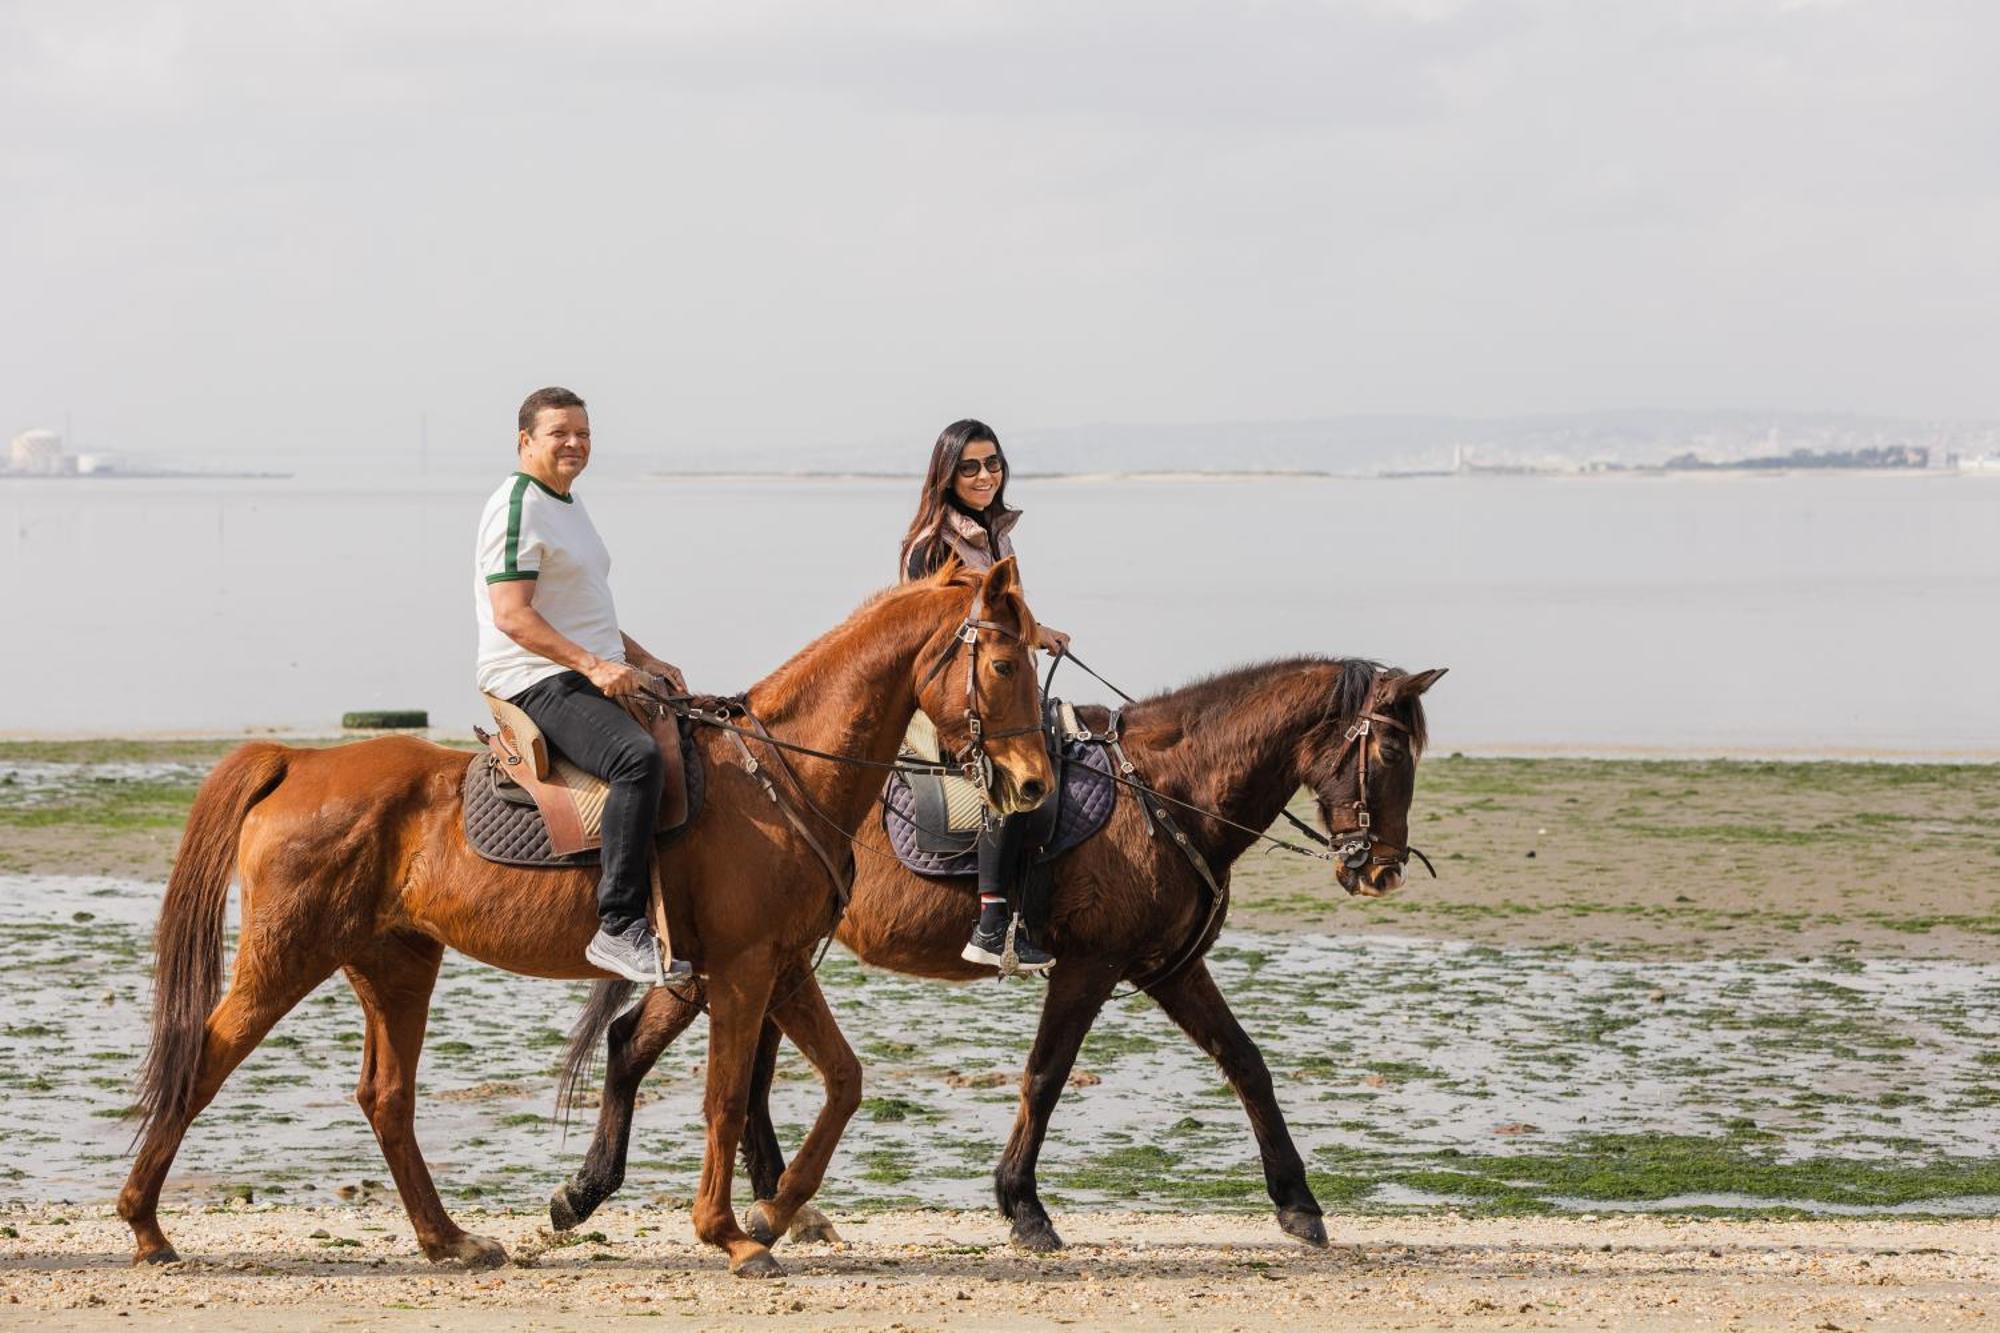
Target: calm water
(1796, 614)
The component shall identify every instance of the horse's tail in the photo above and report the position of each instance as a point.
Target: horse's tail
(607, 1000)
(187, 974)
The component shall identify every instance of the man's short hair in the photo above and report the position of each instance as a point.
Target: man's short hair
(553, 396)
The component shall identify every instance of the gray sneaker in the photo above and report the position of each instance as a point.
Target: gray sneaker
(635, 956)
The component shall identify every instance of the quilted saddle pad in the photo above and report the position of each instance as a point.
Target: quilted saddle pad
(503, 825)
(921, 831)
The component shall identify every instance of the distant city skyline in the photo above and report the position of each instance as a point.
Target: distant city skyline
(1356, 446)
(786, 226)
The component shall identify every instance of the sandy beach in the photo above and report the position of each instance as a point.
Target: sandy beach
(292, 1268)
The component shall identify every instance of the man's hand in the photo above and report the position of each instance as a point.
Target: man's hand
(667, 672)
(1052, 640)
(615, 679)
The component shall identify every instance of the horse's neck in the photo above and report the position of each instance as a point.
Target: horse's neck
(849, 693)
(1244, 764)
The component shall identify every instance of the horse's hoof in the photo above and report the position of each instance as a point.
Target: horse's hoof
(757, 1222)
(810, 1226)
(1307, 1226)
(760, 1264)
(164, 1255)
(1037, 1237)
(471, 1252)
(568, 1207)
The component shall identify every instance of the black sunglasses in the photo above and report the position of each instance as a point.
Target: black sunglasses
(969, 467)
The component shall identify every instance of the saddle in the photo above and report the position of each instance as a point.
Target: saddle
(933, 819)
(528, 805)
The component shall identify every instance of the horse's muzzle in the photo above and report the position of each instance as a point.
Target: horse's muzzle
(1011, 797)
(1373, 881)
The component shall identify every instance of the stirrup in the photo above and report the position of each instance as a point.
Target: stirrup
(1010, 961)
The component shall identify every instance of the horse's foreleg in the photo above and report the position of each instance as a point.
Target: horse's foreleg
(801, 1010)
(634, 1044)
(260, 993)
(1191, 999)
(737, 999)
(394, 984)
(1077, 990)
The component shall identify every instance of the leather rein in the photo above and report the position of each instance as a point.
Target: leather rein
(718, 713)
(1357, 847)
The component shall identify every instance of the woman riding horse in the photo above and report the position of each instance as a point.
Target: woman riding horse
(964, 515)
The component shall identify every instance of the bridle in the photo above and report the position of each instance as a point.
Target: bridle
(974, 761)
(1356, 845)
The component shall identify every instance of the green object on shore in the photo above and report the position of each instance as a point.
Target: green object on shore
(385, 719)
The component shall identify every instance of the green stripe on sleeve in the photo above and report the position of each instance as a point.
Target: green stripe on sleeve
(511, 565)
(518, 576)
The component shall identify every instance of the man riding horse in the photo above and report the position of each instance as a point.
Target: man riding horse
(549, 643)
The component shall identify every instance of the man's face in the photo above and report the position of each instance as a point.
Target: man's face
(558, 449)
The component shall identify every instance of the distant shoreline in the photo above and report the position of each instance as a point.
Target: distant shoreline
(146, 476)
(1310, 474)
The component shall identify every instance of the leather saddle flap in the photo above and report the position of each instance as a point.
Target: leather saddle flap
(922, 838)
(564, 803)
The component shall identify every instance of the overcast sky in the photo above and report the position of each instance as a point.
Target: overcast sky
(293, 227)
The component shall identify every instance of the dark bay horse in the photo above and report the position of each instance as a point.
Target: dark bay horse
(1127, 906)
(354, 858)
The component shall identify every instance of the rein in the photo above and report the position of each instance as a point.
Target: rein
(716, 713)
(1360, 835)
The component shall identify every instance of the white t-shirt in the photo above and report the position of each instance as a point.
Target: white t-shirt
(530, 532)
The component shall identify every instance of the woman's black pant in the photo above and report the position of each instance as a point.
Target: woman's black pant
(599, 736)
(1000, 858)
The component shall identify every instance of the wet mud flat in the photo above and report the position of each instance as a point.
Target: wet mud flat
(261, 1267)
(1415, 1074)
(1701, 1060)
(1641, 859)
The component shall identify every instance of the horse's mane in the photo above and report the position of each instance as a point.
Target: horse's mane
(1218, 700)
(799, 673)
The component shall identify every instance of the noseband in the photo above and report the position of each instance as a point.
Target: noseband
(1356, 845)
(973, 758)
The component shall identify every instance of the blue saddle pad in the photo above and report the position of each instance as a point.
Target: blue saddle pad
(1084, 805)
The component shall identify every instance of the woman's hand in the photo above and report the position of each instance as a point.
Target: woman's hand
(1051, 640)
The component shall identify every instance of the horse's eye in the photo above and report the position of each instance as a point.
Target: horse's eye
(1002, 667)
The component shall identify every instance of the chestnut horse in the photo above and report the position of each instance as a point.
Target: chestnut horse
(354, 858)
(1128, 905)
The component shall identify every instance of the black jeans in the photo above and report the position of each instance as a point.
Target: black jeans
(1000, 853)
(600, 737)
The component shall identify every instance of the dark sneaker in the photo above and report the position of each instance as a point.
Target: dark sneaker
(635, 956)
(989, 945)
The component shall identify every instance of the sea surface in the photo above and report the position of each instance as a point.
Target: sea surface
(1829, 614)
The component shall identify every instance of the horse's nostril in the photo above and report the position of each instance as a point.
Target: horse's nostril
(1034, 789)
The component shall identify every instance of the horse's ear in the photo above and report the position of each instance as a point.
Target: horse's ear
(1413, 685)
(1002, 580)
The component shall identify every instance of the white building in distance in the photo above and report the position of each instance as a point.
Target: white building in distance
(40, 453)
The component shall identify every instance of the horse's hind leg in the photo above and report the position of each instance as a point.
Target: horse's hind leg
(802, 1012)
(763, 1155)
(635, 1041)
(260, 993)
(394, 984)
(1192, 1000)
(1077, 991)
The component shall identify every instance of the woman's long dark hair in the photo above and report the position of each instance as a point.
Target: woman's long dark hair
(937, 494)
